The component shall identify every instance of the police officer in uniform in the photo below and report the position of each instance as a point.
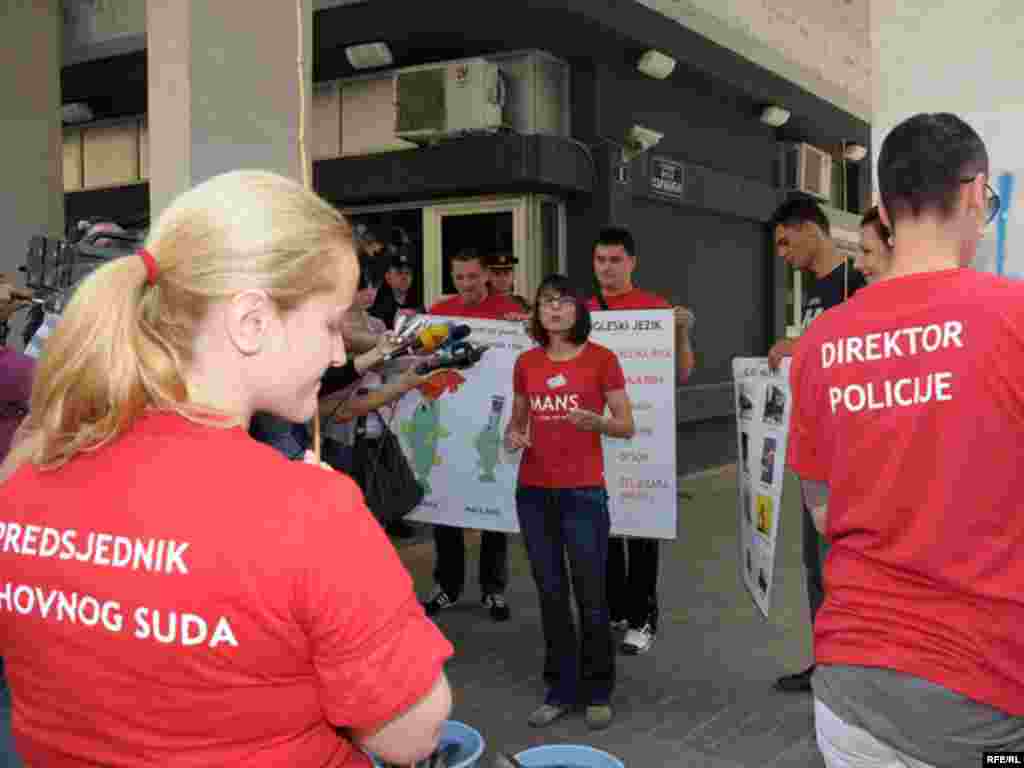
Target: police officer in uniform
(501, 276)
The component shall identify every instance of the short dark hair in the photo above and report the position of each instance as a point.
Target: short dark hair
(923, 162)
(468, 254)
(560, 284)
(874, 219)
(800, 209)
(617, 236)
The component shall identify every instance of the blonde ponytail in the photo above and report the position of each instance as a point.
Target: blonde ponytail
(123, 344)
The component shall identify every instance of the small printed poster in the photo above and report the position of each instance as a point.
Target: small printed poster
(667, 178)
(763, 405)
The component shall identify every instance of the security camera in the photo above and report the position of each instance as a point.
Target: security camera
(644, 138)
(640, 139)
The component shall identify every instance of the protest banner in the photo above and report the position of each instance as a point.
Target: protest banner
(763, 404)
(453, 436)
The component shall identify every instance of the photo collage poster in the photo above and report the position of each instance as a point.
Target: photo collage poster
(763, 405)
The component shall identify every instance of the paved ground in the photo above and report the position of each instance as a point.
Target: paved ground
(702, 697)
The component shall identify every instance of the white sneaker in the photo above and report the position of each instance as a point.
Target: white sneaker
(638, 641)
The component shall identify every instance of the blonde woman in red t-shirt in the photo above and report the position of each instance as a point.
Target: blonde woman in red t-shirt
(173, 592)
(562, 390)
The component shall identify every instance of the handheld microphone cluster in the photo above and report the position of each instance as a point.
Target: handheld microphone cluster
(418, 337)
(459, 355)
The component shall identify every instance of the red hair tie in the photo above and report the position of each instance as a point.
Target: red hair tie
(150, 262)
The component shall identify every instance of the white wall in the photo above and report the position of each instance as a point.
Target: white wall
(821, 45)
(962, 58)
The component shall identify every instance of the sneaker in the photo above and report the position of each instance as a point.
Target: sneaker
(620, 625)
(638, 641)
(495, 601)
(546, 714)
(598, 716)
(799, 682)
(437, 602)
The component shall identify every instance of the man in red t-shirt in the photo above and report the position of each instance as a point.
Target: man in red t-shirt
(474, 300)
(908, 414)
(633, 586)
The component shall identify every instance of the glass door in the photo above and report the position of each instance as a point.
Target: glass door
(530, 227)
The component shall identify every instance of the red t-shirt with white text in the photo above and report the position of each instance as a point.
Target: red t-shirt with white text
(495, 307)
(561, 455)
(908, 402)
(632, 299)
(186, 596)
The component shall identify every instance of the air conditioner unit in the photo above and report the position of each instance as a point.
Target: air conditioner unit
(448, 99)
(807, 169)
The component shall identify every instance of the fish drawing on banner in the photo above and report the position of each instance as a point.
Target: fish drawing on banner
(423, 431)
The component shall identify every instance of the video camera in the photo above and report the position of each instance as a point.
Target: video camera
(54, 267)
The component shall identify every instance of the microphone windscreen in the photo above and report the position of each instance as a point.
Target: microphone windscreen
(432, 337)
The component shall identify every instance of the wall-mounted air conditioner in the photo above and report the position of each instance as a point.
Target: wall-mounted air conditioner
(436, 101)
(808, 170)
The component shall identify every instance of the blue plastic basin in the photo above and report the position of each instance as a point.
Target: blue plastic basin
(471, 744)
(572, 755)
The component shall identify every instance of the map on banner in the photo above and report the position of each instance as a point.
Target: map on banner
(454, 435)
(763, 404)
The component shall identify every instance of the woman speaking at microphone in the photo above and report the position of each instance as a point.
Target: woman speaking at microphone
(562, 389)
(260, 616)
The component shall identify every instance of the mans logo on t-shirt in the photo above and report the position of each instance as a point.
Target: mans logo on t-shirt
(557, 381)
(549, 407)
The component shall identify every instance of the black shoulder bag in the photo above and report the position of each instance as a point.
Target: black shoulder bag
(380, 468)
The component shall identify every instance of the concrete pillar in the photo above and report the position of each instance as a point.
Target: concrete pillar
(962, 58)
(32, 186)
(224, 89)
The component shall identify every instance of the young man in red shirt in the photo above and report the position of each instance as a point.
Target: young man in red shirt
(906, 430)
(633, 586)
(474, 300)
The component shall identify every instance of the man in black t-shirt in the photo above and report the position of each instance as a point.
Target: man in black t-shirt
(803, 238)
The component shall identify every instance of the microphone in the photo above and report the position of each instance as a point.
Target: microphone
(409, 329)
(461, 355)
(456, 333)
(426, 340)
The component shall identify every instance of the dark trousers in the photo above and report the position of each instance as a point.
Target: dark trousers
(633, 586)
(814, 548)
(450, 566)
(573, 522)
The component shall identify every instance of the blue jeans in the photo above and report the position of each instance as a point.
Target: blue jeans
(574, 521)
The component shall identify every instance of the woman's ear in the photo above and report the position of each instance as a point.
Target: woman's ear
(247, 320)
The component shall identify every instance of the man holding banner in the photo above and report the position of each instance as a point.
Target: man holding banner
(473, 301)
(633, 586)
(803, 239)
